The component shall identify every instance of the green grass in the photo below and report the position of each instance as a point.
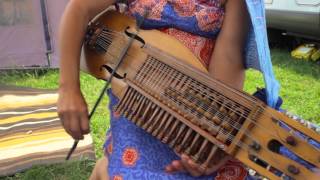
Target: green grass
(48, 79)
(300, 81)
(300, 84)
(68, 171)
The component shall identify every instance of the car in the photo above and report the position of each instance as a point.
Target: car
(300, 18)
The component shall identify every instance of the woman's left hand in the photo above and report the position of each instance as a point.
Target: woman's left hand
(187, 165)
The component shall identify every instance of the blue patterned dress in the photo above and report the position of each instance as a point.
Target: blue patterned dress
(134, 154)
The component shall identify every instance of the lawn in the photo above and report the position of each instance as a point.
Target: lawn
(300, 81)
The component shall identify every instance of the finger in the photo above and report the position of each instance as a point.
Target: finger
(196, 167)
(65, 117)
(75, 127)
(190, 166)
(169, 168)
(84, 122)
(175, 166)
(65, 123)
(62, 119)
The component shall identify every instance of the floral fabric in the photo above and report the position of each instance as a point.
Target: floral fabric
(195, 23)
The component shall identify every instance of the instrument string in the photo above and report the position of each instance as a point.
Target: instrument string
(197, 90)
(168, 71)
(150, 67)
(246, 147)
(231, 122)
(206, 107)
(223, 117)
(229, 136)
(122, 37)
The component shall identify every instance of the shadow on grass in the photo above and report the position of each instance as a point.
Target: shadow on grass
(283, 60)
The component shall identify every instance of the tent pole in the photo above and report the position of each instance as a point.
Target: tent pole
(46, 32)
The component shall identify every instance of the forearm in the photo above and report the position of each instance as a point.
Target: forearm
(73, 25)
(71, 33)
(72, 108)
(227, 63)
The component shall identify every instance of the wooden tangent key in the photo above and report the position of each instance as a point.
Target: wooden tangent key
(165, 90)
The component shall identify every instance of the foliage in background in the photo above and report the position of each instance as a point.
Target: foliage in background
(300, 81)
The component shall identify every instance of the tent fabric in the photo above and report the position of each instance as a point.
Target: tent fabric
(31, 132)
(55, 10)
(22, 33)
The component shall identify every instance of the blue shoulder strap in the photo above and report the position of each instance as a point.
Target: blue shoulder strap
(257, 15)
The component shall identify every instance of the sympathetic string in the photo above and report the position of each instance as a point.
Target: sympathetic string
(106, 40)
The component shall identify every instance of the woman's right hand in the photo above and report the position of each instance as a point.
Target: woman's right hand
(73, 112)
(72, 108)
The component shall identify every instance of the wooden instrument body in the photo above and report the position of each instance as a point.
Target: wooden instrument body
(166, 83)
(92, 61)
